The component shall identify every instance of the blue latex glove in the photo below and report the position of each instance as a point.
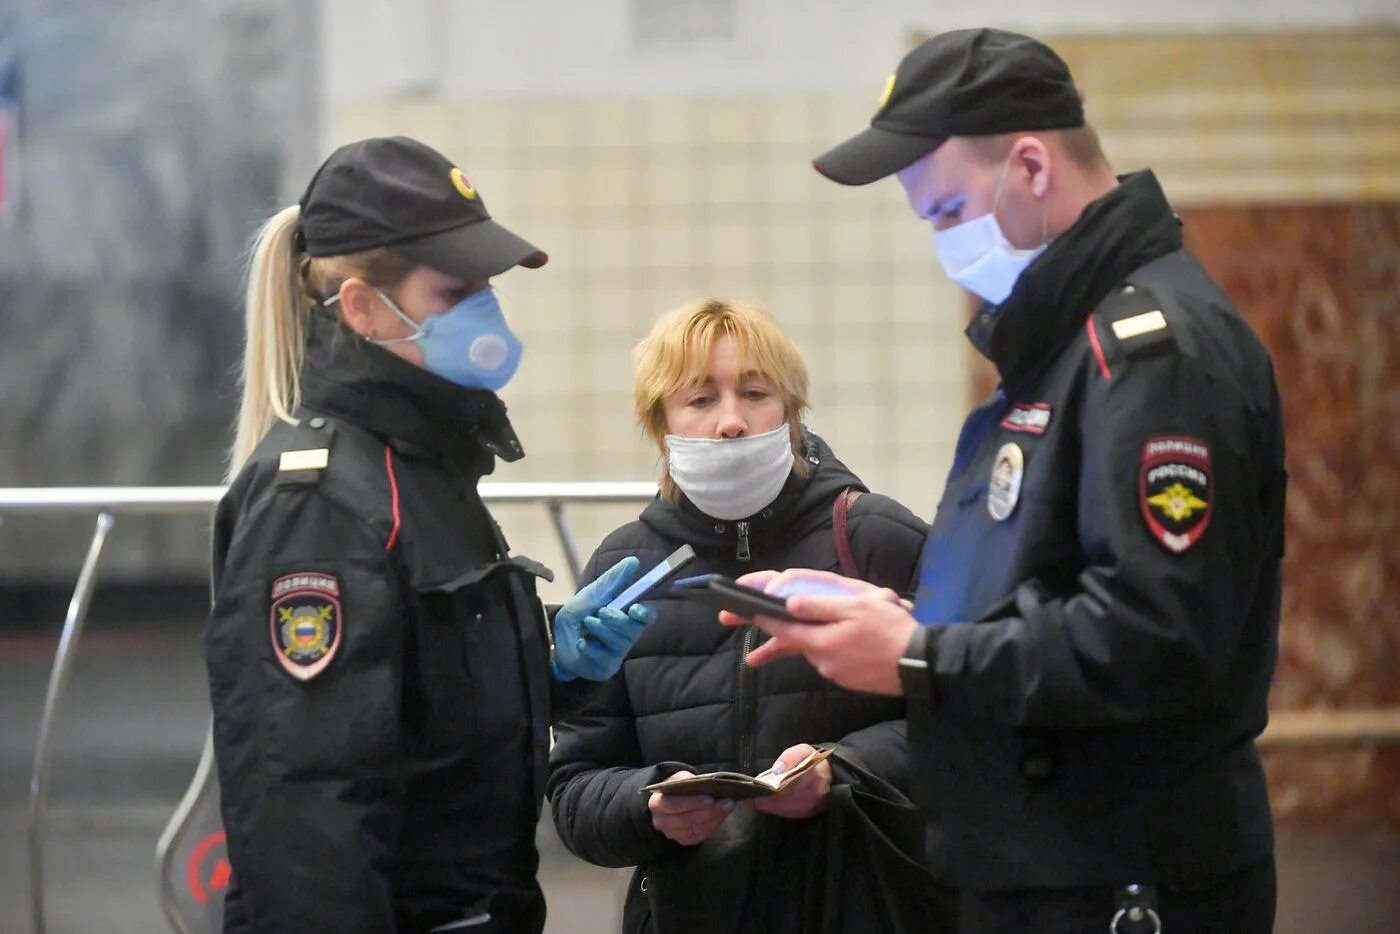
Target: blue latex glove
(591, 640)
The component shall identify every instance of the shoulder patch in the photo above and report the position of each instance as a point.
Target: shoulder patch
(1138, 325)
(1176, 491)
(306, 622)
(313, 459)
(1134, 324)
(308, 454)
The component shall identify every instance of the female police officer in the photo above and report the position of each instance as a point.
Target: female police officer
(379, 666)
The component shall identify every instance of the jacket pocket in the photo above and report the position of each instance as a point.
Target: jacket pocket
(472, 680)
(441, 685)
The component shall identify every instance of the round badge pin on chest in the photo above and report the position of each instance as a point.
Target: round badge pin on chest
(1004, 488)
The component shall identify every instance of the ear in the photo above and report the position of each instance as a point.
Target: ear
(357, 306)
(1031, 155)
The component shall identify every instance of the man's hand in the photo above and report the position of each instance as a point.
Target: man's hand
(855, 640)
(805, 795)
(688, 819)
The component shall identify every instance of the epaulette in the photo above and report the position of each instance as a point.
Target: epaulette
(307, 454)
(1129, 323)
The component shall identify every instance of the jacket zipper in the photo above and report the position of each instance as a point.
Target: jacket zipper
(745, 705)
(743, 554)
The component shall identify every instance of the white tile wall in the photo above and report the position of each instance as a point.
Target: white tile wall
(647, 203)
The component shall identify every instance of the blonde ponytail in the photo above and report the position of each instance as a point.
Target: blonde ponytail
(283, 285)
(275, 344)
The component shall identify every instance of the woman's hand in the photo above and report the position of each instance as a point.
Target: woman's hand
(804, 796)
(688, 819)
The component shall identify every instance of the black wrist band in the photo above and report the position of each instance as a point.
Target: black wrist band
(914, 675)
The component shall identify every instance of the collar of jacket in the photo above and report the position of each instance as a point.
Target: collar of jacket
(803, 503)
(1127, 228)
(350, 378)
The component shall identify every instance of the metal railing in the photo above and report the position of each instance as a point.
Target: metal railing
(111, 502)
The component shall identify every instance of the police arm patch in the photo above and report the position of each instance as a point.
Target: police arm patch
(1176, 491)
(306, 622)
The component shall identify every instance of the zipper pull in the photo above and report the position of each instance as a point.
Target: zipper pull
(743, 553)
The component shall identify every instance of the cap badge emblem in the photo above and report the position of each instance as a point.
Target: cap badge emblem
(464, 187)
(885, 94)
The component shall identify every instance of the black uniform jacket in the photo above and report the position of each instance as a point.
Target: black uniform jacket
(685, 699)
(1112, 528)
(378, 662)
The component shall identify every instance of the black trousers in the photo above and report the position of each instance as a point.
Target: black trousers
(1241, 903)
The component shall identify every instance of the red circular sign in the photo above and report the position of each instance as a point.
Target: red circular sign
(218, 877)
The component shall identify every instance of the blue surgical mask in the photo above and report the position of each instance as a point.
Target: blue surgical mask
(469, 344)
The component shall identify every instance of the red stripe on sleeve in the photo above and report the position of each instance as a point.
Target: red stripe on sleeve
(393, 495)
(1098, 348)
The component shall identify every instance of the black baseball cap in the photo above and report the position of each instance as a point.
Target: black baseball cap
(969, 82)
(398, 192)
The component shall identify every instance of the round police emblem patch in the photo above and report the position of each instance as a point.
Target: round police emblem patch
(1176, 491)
(1004, 489)
(306, 622)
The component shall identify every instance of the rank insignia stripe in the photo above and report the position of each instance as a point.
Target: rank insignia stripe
(1176, 491)
(313, 459)
(306, 622)
(1138, 325)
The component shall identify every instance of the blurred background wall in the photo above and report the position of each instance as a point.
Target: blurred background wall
(147, 146)
(659, 150)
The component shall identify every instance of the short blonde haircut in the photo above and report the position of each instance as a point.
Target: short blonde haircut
(676, 356)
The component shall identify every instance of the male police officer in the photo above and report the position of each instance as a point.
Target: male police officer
(1089, 653)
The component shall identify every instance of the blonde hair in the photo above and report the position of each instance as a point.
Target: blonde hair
(283, 284)
(676, 356)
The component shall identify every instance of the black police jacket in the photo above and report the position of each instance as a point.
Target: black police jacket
(378, 662)
(1102, 581)
(685, 699)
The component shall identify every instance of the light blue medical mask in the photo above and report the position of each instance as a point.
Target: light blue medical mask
(469, 344)
(977, 256)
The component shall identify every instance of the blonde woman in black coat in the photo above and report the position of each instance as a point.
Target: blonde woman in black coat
(722, 390)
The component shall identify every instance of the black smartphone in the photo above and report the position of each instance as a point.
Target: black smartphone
(649, 583)
(723, 593)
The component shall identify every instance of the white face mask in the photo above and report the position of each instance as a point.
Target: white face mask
(977, 256)
(731, 478)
